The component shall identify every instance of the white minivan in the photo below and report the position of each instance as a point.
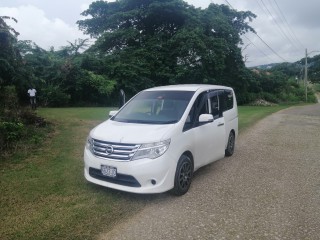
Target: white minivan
(156, 141)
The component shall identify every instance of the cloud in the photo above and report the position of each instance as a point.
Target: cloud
(302, 30)
(33, 24)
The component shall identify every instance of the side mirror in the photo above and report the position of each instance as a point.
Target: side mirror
(112, 113)
(205, 118)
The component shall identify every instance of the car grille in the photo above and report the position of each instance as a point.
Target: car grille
(113, 151)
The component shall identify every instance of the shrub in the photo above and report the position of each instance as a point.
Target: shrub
(8, 103)
(270, 97)
(18, 126)
(316, 87)
(54, 96)
(10, 132)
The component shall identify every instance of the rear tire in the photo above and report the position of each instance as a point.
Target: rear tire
(230, 146)
(183, 176)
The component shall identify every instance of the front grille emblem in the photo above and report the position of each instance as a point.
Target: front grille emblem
(109, 149)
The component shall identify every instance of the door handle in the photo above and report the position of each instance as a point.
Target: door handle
(220, 124)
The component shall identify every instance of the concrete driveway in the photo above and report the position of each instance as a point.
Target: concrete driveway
(269, 189)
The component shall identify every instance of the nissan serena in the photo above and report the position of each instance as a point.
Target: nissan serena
(156, 141)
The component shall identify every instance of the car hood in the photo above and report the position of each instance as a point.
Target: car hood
(120, 132)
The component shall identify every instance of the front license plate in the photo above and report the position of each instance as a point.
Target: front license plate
(108, 171)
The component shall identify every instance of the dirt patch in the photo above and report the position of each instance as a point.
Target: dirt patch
(262, 102)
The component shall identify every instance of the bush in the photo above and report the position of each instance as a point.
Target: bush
(53, 96)
(269, 97)
(18, 126)
(244, 98)
(316, 87)
(8, 102)
(296, 93)
(10, 132)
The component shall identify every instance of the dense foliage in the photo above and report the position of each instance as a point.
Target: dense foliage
(16, 123)
(147, 43)
(314, 69)
(284, 82)
(140, 44)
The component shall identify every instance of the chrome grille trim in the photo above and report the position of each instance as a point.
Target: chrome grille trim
(120, 151)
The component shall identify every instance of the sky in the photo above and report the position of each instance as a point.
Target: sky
(285, 28)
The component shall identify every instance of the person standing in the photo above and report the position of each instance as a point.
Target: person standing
(32, 94)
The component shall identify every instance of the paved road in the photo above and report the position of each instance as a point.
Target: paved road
(269, 189)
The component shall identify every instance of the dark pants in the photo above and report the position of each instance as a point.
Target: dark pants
(33, 102)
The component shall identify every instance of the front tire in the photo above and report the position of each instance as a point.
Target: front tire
(183, 176)
(230, 146)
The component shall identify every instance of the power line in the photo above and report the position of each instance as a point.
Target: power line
(285, 25)
(260, 38)
(268, 14)
(258, 48)
(261, 7)
(270, 48)
(278, 25)
(283, 16)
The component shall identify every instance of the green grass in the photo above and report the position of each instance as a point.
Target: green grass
(249, 115)
(45, 196)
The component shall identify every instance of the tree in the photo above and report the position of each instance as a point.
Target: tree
(10, 59)
(60, 76)
(147, 43)
(314, 69)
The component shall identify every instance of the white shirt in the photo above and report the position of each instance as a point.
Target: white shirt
(32, 92)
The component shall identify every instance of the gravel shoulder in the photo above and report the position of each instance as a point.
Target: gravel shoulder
(269, 189)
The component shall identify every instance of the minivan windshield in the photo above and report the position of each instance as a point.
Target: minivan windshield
(155, 107)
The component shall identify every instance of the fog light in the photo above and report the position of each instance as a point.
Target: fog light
(153, 182)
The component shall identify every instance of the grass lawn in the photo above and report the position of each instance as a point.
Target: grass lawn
(44, 194)
(248, 115)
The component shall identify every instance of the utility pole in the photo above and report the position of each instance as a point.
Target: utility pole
(306, 76)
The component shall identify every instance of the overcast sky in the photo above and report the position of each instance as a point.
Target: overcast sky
(288, 27)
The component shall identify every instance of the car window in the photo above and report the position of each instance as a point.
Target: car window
(200, 106)
(221, 101)
(155, 107)
(215, 107)
(228, 99)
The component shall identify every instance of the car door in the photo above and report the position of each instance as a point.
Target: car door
(213, 133)
(208, 138)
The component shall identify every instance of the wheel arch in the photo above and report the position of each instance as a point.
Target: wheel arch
(227, 136)
(190, 155)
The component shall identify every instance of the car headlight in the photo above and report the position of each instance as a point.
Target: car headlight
(89, 143)
(152, 150)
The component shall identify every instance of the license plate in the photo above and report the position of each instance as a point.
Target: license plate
(108, 171)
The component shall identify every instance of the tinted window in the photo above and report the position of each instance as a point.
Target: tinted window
(228, 99)
(200, 105)
(225, 100)
(215, 106)
(155, 107)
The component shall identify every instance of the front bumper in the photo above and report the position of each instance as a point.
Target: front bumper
(138, 176)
